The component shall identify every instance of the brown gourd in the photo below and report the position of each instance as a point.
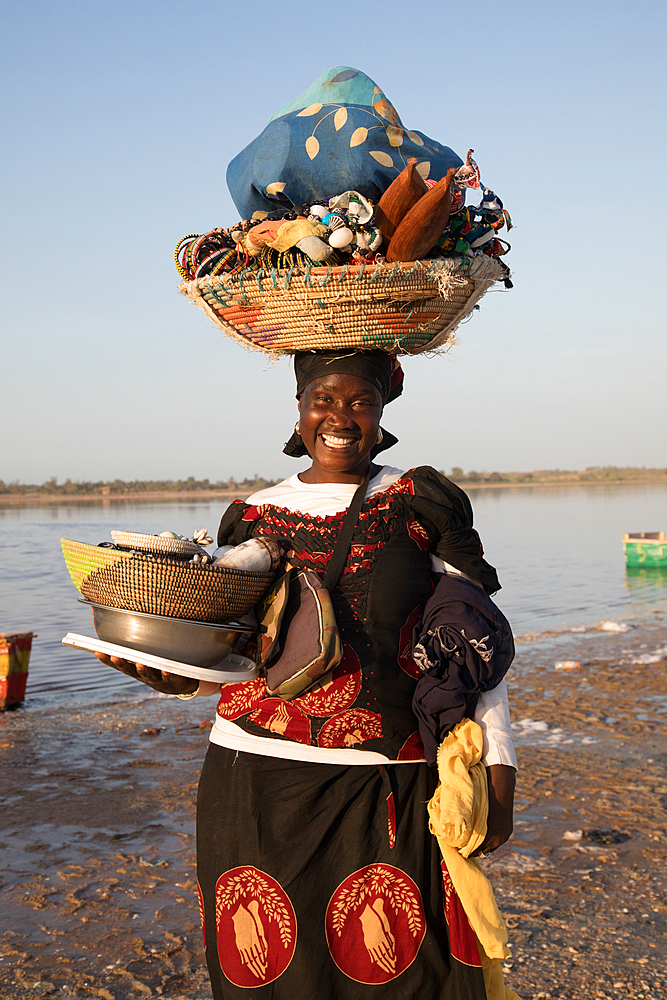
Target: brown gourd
(419, 230)
(398, 199)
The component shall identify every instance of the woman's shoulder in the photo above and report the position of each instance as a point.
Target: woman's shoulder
(432, 485)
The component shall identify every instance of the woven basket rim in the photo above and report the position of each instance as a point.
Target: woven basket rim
(310, 300)
(230, 571)
(154, 543)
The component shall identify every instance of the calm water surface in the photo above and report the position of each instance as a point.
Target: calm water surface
(558, 552)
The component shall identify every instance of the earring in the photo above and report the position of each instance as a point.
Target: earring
(380, 436)
(297, 428)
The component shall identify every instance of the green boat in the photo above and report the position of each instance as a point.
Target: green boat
(645, 548)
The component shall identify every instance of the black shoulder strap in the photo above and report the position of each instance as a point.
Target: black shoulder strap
(343, 542)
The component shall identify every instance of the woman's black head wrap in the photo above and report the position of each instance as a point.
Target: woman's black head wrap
(377, 367)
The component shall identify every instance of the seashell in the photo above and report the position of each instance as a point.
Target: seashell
(419, 230)
(259, 555)
(236, 234)
(334, 220)
(314, 247)
(404, 192)
(341, 238)
(362, 239)
(319, 210)
(345, 200)
(168, 534)
(196, 558)
(202, 537)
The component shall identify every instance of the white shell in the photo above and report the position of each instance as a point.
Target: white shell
(314, 247)
(236, 235)
(341, 238)
(343, 200)
(333, 221)
(259, 555)
(319, 210)
(362, 240)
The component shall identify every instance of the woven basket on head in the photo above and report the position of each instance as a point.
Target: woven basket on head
(405, 308)
(161, 586)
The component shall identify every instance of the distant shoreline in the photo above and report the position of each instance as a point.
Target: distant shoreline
(164, 496)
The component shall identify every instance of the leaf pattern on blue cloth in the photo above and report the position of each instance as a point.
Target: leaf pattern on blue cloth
(358, 136)
(312, 109)
(424, 168)
(340, 118)
(312, 146)
(383, 158)
(418, 141)
(347, 74)
(395, 135)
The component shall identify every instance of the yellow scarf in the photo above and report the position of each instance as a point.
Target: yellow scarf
(458, 813)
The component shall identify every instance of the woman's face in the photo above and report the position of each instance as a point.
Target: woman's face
(339, 419)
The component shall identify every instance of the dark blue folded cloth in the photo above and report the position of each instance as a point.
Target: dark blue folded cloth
(463, 645)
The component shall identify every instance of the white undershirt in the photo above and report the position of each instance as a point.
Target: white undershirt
(323, 500)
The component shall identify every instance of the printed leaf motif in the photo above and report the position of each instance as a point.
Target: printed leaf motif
(340, 118)
(259, 215)
(395, 135)
(424, 168)
(376, 90)
(383, 158)
(387, 111)
(312, 146)
(415, 138)
(312, 109)
(276, 187)
(346, 74)
(358, 136)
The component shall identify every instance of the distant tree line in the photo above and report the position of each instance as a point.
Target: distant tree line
(593, 474)
(117, 487)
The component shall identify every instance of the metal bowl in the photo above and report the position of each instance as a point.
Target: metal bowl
(198, 644)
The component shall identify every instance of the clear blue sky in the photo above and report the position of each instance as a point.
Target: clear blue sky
(118, 121)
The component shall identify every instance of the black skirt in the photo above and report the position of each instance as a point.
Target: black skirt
(323, 881)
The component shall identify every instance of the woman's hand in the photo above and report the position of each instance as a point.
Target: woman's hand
(159, 680)
(499, 826)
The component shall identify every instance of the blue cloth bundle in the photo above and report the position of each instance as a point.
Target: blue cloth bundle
(341, 134)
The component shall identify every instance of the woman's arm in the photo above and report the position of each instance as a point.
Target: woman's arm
(493, 716)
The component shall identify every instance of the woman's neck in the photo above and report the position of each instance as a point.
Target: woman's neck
(318, 476)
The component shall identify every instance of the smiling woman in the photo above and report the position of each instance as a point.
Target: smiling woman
(317, 871)
(339, 424)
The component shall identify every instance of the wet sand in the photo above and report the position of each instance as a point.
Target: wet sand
(97, 835)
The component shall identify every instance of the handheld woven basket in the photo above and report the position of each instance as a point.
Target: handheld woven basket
(162, 586)
(404, 308)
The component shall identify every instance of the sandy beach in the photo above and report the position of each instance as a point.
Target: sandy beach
(98, 851)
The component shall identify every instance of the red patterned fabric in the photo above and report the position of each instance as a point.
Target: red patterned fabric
(385, 582)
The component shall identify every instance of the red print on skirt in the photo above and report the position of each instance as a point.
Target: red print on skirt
(256, 927)
(375, 924)
(462, 938)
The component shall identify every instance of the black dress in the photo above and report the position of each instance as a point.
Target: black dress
(323, 879)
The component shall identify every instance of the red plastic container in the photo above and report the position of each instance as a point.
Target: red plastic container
(14, 656)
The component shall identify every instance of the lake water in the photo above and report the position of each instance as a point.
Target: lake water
(558, 551)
